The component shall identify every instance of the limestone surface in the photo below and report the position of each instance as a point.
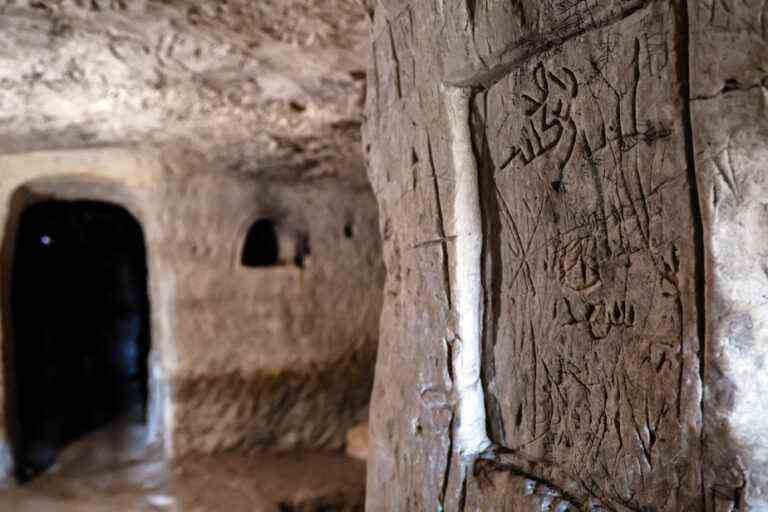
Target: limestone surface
(616, 148)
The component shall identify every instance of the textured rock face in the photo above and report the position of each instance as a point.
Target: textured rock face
(200, 118)
(259, 80)
(729, 54)
(616, 149)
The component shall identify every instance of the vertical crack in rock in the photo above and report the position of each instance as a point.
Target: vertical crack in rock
(463, 495)
(448, 462)
(395, 60)
(470, 436)
(440, 224)
(698, 223)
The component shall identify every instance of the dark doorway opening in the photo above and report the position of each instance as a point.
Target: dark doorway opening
(80, 323)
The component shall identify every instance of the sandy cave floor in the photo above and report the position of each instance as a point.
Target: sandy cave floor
(111, 470)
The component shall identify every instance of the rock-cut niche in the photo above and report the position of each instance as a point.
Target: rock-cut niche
(262, 247)
(80, 326)
(266, 245)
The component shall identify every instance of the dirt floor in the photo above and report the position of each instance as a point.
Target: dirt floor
(112, 470)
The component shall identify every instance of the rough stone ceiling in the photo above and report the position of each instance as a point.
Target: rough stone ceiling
(265, 84)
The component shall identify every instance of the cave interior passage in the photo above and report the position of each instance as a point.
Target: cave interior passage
(80, 326)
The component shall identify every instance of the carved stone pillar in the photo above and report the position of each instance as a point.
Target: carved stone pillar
(615, 148)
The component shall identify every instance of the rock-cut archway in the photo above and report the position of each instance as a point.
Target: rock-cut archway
(80, 321)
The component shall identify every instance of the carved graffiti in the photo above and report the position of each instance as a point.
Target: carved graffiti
(578, 265)
(655, 40)
(605, 316)
(587, 319)
(549, 123)
(728, 15)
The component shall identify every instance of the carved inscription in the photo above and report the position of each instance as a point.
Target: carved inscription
(548, 117)
(578, 264)
(566, 109)
(588, 329)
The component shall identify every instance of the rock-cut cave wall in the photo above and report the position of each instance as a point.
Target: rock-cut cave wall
(572, 206)
(200, 118)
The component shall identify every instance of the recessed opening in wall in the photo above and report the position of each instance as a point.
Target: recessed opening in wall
(80, 323)
(262, 247)
(302, 250)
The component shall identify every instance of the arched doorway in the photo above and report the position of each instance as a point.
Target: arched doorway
(80, 323)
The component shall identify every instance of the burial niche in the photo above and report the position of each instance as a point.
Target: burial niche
(80, 325)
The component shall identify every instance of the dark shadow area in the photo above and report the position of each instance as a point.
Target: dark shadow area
(80, 323)
(262, 248)
(302, 250)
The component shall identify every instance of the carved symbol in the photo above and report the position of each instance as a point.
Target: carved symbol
(520, 250)
(603, 317)
(548, 117)
(578, 265)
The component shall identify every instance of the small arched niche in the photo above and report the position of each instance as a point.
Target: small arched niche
(262, 245)
(268, 244)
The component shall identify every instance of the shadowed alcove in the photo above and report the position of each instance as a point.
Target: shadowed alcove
(261, 248)
(79, 311)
